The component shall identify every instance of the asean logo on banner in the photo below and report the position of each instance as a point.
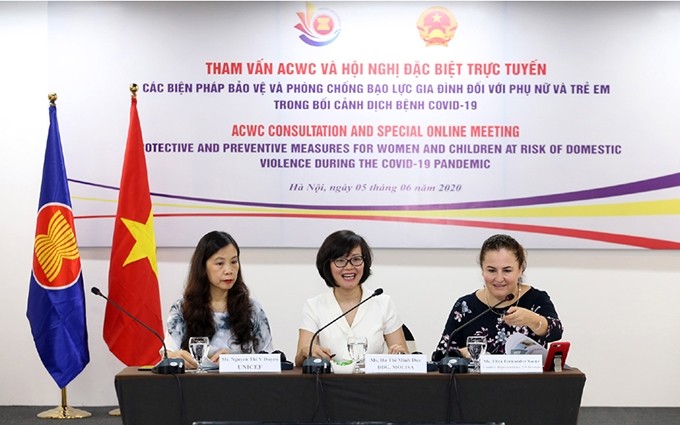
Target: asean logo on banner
(437, 26)
(56, 260)
(319, 27)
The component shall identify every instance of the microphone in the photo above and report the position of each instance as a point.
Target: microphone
(318, 365)
(449, 364)
(166, 366)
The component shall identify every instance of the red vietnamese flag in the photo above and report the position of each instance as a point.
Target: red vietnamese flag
(133, 272)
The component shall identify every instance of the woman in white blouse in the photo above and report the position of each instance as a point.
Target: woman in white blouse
(344, 262)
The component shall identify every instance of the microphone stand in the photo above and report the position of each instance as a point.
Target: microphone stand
(459, 364)
(166, 366)
(319, 365)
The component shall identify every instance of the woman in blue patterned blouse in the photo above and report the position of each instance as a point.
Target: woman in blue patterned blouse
(217, 304)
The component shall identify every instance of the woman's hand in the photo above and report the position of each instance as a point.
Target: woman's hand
(397, 349)
(320, 351)
(189, 362)
(304, 339)
(396, 343)
(215, 358)
(518, 316)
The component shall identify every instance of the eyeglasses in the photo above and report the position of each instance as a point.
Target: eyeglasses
(342, 262)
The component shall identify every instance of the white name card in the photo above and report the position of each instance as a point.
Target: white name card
(396, 363)
(249, 363)
(515, 363)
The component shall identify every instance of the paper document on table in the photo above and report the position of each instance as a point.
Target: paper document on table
(518, 343)
(209, 364)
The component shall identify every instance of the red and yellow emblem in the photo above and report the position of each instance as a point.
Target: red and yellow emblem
(437, 26)
(56, 260)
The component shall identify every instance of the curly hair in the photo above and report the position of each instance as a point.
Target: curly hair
(196, 308)
(335, 246)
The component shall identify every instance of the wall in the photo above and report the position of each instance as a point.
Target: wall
(616, 305)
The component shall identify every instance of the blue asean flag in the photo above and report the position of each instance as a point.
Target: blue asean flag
(56, 300)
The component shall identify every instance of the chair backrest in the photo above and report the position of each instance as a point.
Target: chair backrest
(410, 340)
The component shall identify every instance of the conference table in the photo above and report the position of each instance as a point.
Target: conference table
(293, 397)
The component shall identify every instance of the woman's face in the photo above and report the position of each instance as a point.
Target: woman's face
(501, 272)
(222, 268)
(348, 277)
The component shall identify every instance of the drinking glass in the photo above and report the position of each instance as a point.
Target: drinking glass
(476, 346)
(198, 346)
(357, 346)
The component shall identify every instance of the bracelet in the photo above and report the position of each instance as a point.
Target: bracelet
(540, 323)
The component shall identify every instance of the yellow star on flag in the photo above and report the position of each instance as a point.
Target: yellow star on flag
(145, 242)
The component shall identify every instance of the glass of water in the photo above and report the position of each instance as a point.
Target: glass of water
(476, 346)
(357, 346)
(198, 347)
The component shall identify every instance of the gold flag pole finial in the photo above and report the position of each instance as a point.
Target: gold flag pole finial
(133, 89)
(52, 97)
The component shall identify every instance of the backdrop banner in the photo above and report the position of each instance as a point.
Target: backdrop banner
(416, 124)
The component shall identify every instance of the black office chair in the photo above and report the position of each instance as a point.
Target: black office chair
(410, 340)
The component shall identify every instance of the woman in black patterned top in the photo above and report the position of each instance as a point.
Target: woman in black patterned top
(530, 311)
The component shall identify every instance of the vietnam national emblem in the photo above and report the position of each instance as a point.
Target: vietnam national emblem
(437, 26)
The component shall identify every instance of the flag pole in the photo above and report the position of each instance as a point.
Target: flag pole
(133, 92)
(64, 411)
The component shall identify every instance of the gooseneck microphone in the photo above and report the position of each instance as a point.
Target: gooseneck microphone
(166, 366)
(448, 363)
(320, 365)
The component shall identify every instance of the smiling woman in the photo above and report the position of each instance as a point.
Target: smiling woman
(344, 262)
(514, 305)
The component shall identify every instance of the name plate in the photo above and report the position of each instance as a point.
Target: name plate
(514, 363)
(396, 363)
(249, 363)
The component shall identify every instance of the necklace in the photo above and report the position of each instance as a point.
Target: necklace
(486, 297)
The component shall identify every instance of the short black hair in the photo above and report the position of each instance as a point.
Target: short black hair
(335, 246)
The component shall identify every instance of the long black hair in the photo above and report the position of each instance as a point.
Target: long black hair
(196, 308)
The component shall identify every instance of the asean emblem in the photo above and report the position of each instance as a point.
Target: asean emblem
(437, 26)
(56, 260)
(319, 27)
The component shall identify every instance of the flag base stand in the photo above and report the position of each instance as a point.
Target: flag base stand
(64, 411)
(115, 412)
